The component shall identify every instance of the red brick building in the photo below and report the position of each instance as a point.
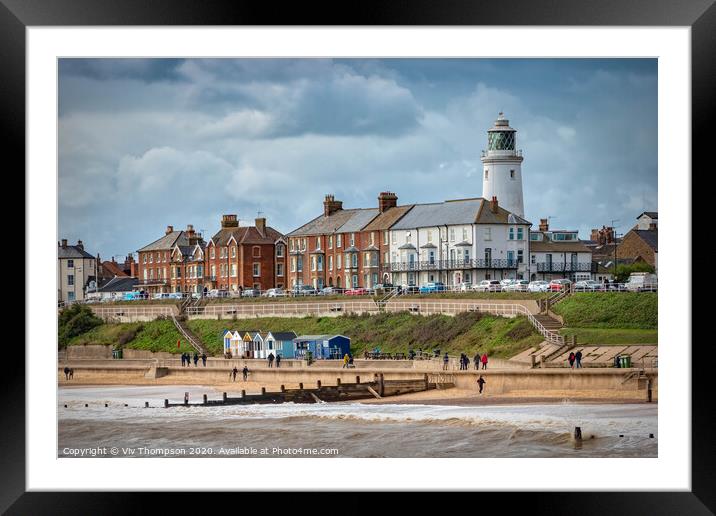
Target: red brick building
(241, 257)
(344, 248)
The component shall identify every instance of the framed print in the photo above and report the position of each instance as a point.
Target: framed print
(418, 240)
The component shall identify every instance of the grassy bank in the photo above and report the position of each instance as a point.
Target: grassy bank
(612, 336)
(618, 310)
(395, 332)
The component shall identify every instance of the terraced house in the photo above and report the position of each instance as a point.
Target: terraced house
(458, 241)
(556, 254)
(243, 257)
(342, 247)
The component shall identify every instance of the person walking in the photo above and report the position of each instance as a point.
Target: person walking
(484, 360)
(203, 359)
(578, 359)
(345, 361)
(72, 373)
(183, 359)
(477, 361)
(196, 359)
(480, 382)
(467, 362)
(245, 372)
(278, 360)
(270, 360)
(571, 360)
(446, 361)
(235, 372)
(67, 373)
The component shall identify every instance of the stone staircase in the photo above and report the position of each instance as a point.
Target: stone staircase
(549, 322)
(188, 335)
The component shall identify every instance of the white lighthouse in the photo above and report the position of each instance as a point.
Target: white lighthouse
(502, 167)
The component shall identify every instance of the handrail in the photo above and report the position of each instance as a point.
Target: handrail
(285, 308)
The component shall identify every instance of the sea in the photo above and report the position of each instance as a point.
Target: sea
(341, 429)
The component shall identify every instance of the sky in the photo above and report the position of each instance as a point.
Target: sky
(146, 143)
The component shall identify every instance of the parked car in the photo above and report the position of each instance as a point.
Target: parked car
(303, 290)
(506, 283)
(558, 285)
(588, 286)
(464, 286)
(488, 286)
(434, 286)
(384, 287)
(538, 286)
(358, 291)
(217, 293)
(250, 292)
(409, 289)
(328, 291)
(274, 292)
(517, 286)
(641, 282)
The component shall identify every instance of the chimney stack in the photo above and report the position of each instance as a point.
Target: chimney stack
(595, 236)
(652, 226)
(261, 225)
(64, 243)
(493, 205)
(229, 221)
(330, 205)
(387, 200)
(544, 224)
(80, 245)
(170, 229)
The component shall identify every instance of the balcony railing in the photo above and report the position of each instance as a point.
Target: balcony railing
(432, 265)
(564, 267)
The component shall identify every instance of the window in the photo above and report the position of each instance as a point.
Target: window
(372, 238)
(233, 251)
(70, 264)
(293, 264)
(512, 174)
(313, 262)
(466, 255)
(279, 269)
(233, 269)
(178, 272)
(330, 242)
(533, 259)
(330, 263)
(256, 251)
(355, 280)
(430, 236)
(318, 242)
(536, 237)
(452, 234)
(386, 237)
(213, 271)
(354, 260)
(279, 250)
(512, 233)
(464, 234)
(485, 173)
(70, 296)
(520, 256)
(520, 234)
(293, 244)
(299, 264)
(70, 279)
(151, 258)
(408, 237)
(257, 269)
(353, 239)
(339, 241)
(213, 255)
(320, 262)
(488, 233)
(338, 261)
(144, 259)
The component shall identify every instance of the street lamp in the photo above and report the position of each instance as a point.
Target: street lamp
(614, 233)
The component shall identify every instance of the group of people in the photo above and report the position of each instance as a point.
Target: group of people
(271, 359)
(575, 359)
(69, 373)
(186, 359)
(235, 371)
(478, 360)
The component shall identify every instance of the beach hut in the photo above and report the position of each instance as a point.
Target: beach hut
(322, 346)
(281, 343)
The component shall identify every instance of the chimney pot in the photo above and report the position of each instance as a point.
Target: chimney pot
(330, 205)
(493, 205)
(170, 229)
(64, 242)
(261, 224)
(544, 224)
(229, 221)
(387, 200)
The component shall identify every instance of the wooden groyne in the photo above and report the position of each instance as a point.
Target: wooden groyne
(377, 388)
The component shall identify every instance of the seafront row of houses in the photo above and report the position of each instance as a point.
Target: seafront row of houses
(286, 344)
(460, 241)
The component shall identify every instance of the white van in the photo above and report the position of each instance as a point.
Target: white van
(641, 282)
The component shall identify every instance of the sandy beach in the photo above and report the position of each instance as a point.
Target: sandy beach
(451, 396)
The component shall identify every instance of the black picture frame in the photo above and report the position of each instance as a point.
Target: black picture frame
(700, 15)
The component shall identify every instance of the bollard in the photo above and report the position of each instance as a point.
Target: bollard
(146, 404)
(224, 397)
(338, 382)
(577, 433)
(166, 403)
(204, 399)
(318, 384)
(648, 390)
(357, 379)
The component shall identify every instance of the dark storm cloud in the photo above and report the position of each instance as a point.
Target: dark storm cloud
(147, 143)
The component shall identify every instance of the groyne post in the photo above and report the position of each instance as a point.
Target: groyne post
(425, 378)
(381, 385)
(223, 395)
(243, 393)
(283, 388)
(318, 383)
(263, 391)
(166, 403)
(146, 404)
(357, 379)
(338, 382)
(300, 385)
(205, 399)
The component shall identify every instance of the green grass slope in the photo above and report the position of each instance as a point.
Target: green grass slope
(635, 310)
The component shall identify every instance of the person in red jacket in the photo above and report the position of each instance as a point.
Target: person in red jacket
(484, 360)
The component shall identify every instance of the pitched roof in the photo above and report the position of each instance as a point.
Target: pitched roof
(359, 220)
(246, 235)
(72, 251)
(113, 268)
(323, 225)
(167, 242)
(650, 236)
(459, 211)
(650, 214)
(317, 337)
(389, 217)
(284, 335)
(119, 284)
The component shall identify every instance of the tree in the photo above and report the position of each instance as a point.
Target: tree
(623, 271)
(75, 320)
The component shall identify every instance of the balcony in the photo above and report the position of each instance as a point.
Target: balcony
(153, 283)
(564, 267)
(433, 265)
